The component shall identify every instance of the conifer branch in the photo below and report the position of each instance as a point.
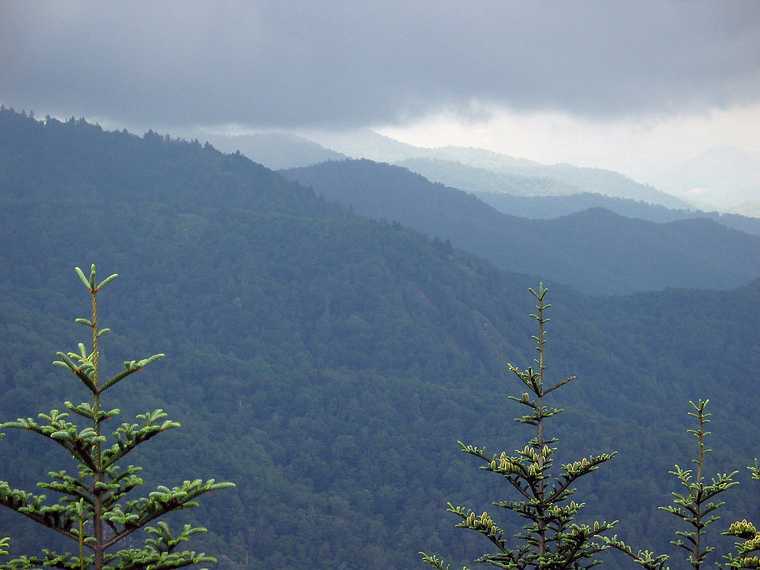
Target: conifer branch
(62, 432)
(129, 436)
(160, 502)
(130, 367)
(436, 562)
(49, 559)
(58, 517)
(644, 558)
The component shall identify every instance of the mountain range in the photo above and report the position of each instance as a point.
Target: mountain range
(466, 168)
(328, 362)
(594, 250)
(482, 170)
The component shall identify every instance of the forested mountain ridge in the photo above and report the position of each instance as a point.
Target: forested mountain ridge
(547, 207)
(595, 251)
(328, 363)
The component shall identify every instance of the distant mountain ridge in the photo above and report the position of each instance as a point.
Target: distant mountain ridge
(275, 150)
(595, 250)
(495, 168)
(532, 179)
(475, 179)
(548, 207)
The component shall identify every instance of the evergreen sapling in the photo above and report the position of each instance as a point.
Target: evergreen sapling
(93, 511)
(550, 538)
(695, 506)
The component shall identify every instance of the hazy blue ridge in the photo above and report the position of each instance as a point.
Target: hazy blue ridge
(548, 207)
(595, 250)
(275, 150)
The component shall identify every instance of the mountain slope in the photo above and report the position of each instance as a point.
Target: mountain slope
(596, 251)
(326, 362)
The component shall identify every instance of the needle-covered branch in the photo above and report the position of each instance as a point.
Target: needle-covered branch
(49, 559)
(436, 561)
(644, 558)
(59, 517)
(747, 549)
(78, 443)
(129, 436)
(138, 513)
(130, 367)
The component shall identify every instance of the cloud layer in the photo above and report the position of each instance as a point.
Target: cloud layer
(350, 63)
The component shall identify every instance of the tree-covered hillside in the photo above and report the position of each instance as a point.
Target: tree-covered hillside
(328, 363)
(596, 250)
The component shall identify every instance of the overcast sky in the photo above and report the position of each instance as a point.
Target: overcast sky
(599, 82)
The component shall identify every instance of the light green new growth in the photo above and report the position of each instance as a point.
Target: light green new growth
(748, 549)
(93, 510)
(551, 537)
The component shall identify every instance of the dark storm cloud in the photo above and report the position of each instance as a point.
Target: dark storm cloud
(311, 62)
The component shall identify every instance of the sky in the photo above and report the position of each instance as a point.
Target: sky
(641, 87)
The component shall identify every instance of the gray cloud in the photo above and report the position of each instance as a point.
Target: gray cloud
(298, 63)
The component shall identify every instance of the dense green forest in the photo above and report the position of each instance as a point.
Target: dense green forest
(328, 363)
(594, 250)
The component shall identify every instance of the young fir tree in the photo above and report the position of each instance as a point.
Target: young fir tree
(748, 550)
(695, 506)
(551, 537)
(93, 510)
